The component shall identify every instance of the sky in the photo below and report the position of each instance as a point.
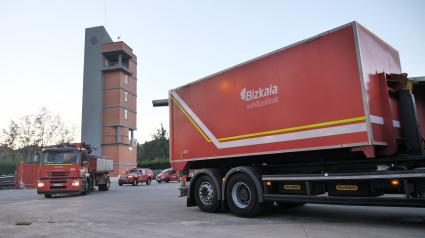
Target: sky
(176, 42)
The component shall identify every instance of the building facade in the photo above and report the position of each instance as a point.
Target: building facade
(110, 99)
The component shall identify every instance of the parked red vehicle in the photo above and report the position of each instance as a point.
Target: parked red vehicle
(167, 176)
(135, 176)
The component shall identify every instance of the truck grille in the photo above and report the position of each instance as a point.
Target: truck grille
(123, 177)
(57, 174)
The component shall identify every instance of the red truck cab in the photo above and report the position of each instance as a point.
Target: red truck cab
(61, 171)
(70, 169)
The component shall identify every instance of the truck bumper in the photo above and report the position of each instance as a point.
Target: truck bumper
(125, 181)
(56, 186)
(57, 192)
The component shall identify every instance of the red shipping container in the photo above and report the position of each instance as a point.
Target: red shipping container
(326, 92)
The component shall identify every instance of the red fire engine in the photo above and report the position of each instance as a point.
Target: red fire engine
(71, 169)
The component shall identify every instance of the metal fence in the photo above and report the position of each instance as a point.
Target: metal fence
(7, 181)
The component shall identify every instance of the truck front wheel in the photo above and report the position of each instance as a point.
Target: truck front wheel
(206, 195)
(86, 188)
(242, 196)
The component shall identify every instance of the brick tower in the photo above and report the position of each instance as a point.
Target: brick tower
(109, 98)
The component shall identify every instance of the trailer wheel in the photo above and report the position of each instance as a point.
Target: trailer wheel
(134, 182)
(108, 184)
(148, 182)
(242, 196)
(206, 195)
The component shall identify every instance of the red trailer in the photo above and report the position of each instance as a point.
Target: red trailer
(324, 120)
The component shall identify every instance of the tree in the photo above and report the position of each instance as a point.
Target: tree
(34, 132)
(157, 148)
(160, 133)
(10, 140)
(27, 137)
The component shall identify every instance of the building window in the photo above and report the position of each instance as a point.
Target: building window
(126, 79)
(126, 96)
(125, 114)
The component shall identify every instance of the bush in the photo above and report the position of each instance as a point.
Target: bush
(155, 164)
(7, 168)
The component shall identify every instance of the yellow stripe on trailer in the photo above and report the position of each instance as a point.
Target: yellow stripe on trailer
(190, 119)
(294, 128)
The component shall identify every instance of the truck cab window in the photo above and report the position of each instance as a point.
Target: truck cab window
(69, 157)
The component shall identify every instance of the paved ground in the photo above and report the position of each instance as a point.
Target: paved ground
(157, 211)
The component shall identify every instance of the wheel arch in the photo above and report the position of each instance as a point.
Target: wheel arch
(255, 175)
(215, 176)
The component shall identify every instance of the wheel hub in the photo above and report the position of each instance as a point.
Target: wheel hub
(206, 193)
(241, 195)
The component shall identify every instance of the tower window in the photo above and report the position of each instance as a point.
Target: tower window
(126, 96)
(126, 79)
(125, 114)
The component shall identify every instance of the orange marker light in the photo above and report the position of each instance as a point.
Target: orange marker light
(268, 183)
(395, 182)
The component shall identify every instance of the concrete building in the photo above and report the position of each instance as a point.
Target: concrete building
(109, 98)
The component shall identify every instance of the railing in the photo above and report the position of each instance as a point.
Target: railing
(115, 64)
(133, 142)
(7, 181)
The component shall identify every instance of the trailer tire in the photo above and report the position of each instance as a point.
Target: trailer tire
(242, 196)
(206, 194)
(105, 187)
(108, 184)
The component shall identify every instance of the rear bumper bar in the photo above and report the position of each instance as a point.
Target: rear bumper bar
(356, 201)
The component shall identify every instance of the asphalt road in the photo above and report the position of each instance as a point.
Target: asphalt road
(157, 211)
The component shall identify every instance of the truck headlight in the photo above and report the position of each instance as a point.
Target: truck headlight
(76, 183)
(40, 184)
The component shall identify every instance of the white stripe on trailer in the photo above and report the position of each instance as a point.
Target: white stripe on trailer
(329, 131)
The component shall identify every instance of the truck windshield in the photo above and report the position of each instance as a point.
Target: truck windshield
(61, 157)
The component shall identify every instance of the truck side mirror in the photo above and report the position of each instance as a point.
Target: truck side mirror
(36, 156)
